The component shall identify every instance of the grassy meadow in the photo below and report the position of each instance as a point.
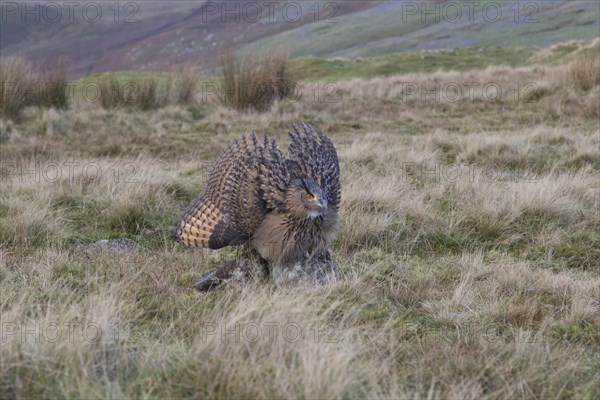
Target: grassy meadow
(469, 248)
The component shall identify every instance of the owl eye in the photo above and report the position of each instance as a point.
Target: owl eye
(310, 197)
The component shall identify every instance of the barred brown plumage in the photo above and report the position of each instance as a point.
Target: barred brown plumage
(285, 207)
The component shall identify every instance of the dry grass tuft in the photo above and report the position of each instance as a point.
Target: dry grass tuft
(186, 87)
(584, 71)
(55, 83)
(18, 80)
(256, 82)
(141, 94)
(147, 93)
(23, 85)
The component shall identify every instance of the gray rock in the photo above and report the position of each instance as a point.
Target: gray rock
(109, 247)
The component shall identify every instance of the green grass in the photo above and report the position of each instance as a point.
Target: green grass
(411, 62)
(462, 59)
(338, 69)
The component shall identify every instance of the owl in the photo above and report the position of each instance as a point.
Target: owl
(284, 207)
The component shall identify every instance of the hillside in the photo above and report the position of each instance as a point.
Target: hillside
(158, 36)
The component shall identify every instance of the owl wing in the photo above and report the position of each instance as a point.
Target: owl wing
(230, 208)
(250, 180)
(274, 177)
(312, 154)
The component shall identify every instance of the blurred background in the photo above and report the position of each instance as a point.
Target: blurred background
(159, 36)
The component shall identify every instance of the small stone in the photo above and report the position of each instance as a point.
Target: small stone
(110, 247)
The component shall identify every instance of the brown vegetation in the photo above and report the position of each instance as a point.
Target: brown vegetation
(255, 82)
(584, 71)
(147, 93)
(23, 85)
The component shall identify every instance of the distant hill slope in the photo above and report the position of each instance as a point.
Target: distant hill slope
(396, 26)
(153, 35)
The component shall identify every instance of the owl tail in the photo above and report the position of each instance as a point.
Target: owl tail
(203, 225)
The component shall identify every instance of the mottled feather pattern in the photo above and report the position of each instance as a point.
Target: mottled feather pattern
(311, 153)
(198, 223)
(256, 194)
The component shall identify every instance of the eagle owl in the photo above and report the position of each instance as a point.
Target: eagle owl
(285, 207)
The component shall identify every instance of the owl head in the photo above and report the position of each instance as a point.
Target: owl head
(306, 199)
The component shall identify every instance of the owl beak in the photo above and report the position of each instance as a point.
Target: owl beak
(322, 204)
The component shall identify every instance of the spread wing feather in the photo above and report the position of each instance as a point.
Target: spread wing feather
(245, 182)
(249, 180)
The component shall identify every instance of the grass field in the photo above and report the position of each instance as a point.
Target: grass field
(469, 247)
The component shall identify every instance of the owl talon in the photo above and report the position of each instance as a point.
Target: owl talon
(212, 279)
(207, 282)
